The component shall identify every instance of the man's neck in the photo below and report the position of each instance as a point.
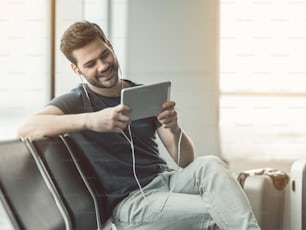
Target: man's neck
(110, 92)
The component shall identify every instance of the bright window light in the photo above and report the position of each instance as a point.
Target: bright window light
(24, 58)
(263, 79)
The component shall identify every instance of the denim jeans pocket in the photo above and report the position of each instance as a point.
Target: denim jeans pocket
(143, 206)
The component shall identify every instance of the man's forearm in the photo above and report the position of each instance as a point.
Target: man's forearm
(186, 150)
(50, 125)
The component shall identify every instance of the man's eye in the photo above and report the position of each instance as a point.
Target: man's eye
(90, 65)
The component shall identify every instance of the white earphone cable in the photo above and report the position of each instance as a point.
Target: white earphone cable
(130, 140)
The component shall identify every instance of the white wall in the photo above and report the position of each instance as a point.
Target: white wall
(67, 12)
(177, 40)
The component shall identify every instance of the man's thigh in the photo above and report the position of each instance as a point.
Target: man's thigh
(163, 210)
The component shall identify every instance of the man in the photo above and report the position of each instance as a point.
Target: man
(146, 194)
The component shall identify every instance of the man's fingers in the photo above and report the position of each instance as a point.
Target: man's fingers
(122, 108)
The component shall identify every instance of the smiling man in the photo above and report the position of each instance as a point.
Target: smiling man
(146, 194)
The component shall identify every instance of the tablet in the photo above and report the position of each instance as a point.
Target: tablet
(145, 100)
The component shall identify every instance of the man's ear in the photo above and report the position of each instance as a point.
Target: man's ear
(75, 69)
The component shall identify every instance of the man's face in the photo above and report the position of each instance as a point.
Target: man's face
(98, 64)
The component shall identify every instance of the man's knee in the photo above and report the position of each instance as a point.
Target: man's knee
(210, 161)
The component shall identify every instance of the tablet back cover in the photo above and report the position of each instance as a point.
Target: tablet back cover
(146, 100)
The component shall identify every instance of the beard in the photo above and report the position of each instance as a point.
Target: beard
(106, 80)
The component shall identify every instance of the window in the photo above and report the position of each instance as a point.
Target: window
(24, 58)
(263, 79)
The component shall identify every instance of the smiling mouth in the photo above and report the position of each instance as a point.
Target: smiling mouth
(107, 74)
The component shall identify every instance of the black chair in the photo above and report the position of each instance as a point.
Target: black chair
(45, 184)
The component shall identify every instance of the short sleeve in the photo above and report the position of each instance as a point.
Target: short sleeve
(70, 103)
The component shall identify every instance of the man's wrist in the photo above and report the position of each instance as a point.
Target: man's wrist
(176, 130)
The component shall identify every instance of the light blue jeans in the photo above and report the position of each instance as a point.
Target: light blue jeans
(205, 196)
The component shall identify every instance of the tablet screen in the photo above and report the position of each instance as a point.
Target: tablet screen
(146, 100)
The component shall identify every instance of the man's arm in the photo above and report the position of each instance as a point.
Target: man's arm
(171, 140)
(52, 121)
(169, 134)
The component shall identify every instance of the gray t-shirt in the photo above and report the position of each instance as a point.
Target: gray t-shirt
(109, 154)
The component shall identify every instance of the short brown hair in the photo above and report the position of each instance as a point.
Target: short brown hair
(78, 35)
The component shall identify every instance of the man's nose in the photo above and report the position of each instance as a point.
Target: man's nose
(102, 66)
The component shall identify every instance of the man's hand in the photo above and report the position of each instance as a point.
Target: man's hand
(110, 119)
(168, 116)
(176, 141)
